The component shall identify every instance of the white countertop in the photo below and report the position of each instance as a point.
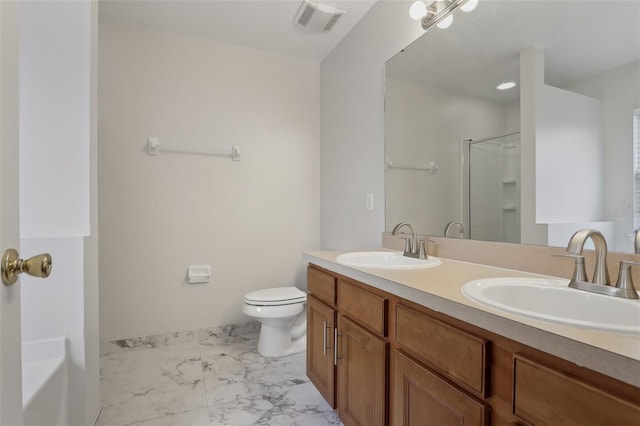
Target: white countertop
(613, 354)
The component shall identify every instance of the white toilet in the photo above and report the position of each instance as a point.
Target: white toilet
(282, 313)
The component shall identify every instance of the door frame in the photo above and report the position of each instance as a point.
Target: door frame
(10, 328)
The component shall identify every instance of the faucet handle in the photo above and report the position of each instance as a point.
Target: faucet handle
(625, 281)
(579, 271)
(408, 242)
(422, 251)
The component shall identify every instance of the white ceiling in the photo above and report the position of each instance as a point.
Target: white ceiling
(481, 49)
(260, 24)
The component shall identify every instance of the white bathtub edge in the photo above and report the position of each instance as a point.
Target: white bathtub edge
(41, 360)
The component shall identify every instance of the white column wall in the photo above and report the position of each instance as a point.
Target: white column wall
(352, 127)
(57, 99)
(55, 49)
(568, 157)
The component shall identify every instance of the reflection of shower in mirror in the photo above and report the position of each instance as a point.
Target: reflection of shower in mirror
(492, 188)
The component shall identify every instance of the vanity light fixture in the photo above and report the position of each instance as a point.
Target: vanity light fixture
(506, 85)
(438, 12)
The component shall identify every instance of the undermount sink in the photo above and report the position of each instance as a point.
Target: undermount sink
(551, 300)
(386, 260)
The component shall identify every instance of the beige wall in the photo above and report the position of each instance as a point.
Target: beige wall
(249, 220)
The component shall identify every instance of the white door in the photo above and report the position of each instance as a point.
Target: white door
(10, 334)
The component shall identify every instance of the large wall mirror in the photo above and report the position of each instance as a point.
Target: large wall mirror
(530, 164)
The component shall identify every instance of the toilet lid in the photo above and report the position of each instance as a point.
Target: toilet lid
(275, 296)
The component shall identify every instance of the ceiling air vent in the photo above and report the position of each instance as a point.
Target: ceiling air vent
(317, 17)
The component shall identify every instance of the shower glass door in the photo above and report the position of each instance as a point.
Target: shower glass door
(493, 188)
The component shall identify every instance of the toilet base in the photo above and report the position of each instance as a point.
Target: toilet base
(276, 341)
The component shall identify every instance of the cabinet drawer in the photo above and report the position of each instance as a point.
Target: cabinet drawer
(460, 355)
(322, 285)
(543, 396)
(367, 308)
(422, 398)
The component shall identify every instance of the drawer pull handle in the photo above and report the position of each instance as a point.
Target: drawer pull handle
(335, 346)
(324, 337)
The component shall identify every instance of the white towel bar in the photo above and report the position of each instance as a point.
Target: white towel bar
(431, 167)
(153, 148)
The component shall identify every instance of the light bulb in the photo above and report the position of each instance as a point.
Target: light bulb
(506, 85)
(418, 10)
(469, 5)
(446, 22)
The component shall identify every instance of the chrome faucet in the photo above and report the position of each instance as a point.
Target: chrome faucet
(451, 225)
(576, 244)
(411, 243)
(624, 286)
(636, 243)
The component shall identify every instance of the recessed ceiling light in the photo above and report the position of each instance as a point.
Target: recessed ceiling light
(506, 85)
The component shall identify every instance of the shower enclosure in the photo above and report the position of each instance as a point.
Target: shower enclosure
(491, 188)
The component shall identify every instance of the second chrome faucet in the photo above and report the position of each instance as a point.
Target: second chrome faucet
(451, 225)
(600, 283)
(576, 245)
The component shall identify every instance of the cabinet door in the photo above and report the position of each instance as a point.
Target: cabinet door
(361, 375)
(421, 398)
(320, 356)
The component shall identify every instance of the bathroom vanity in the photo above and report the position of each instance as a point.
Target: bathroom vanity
(407, 348)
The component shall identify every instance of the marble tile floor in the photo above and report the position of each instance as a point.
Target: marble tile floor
(217, 378)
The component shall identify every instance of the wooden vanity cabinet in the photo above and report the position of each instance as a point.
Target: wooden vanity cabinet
(347, 357)
(400, 363)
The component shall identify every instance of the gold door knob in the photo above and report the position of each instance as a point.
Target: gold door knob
(12, 266)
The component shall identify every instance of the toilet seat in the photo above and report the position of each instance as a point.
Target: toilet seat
(275, 296)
